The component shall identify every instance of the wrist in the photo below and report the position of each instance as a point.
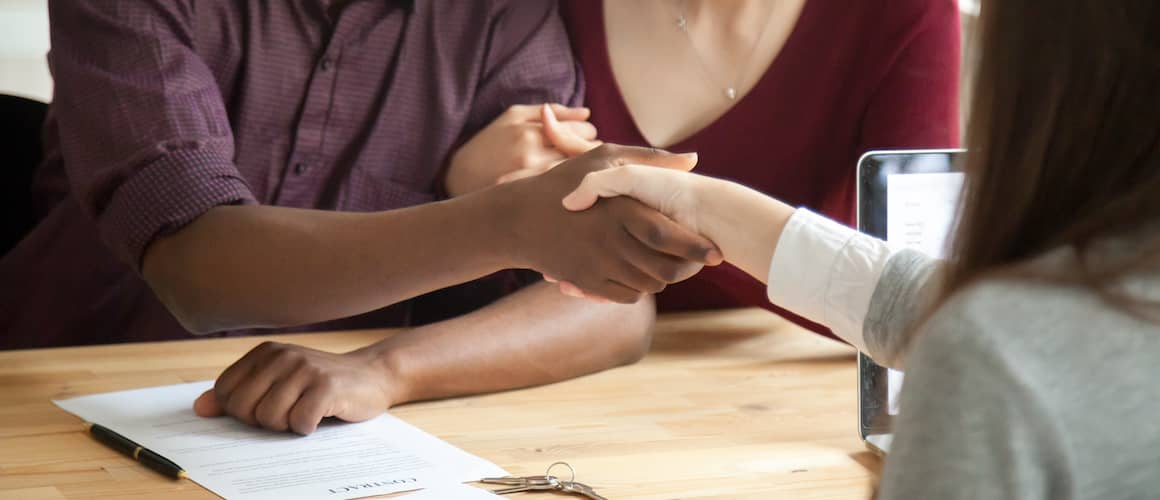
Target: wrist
(745, 224)
(716, 208)
(487, 227)
(499, 227)
(389, 366)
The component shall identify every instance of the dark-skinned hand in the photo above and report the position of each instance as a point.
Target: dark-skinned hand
(619, 249)
(288, 387)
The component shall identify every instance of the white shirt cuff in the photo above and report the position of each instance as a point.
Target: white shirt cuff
(827, 272)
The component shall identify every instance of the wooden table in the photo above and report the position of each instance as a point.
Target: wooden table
(737, 404)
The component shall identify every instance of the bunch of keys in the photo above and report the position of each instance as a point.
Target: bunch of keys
(546, 482)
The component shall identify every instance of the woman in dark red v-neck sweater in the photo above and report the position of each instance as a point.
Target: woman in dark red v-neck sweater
(851, 76)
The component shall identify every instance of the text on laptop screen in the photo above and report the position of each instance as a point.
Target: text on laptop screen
(920, 209)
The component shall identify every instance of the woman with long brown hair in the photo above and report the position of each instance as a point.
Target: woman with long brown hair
(1031, 352)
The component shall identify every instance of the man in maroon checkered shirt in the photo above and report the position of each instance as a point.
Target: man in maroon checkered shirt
(235, 167)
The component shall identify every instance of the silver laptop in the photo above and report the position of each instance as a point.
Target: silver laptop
(908, 198)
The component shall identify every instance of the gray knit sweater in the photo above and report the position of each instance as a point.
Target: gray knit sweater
(1018, 390)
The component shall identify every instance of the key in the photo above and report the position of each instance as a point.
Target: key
(580, 489)
(527, 483)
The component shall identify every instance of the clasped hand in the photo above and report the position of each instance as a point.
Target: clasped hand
(618, 249)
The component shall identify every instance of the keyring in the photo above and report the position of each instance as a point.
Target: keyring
(565, 464)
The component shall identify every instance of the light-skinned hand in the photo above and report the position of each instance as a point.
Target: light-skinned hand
(668, 191)
(525, 140)
(744, 224)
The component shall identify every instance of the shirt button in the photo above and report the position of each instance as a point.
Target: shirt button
(324, 65)
(299, 168)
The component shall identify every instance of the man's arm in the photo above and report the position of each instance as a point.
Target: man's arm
(149, 151)
(238, 266)
(532, 337)
(265, 266)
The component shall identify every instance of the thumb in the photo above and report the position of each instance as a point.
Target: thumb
(602, 184)
(566, 113)
(561, 138)
(624, 155)
(207, 405)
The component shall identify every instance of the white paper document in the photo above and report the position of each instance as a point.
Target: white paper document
(920, 210)
(339, 460)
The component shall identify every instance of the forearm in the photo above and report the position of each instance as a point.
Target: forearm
(745, 224)
(264, 266)
(532, 337)
(910, 285)
(852, 283)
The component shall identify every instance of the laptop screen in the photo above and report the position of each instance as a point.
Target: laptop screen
(920, 209)
(909, 199)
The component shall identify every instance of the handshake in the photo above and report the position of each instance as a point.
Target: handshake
(611, 224)
(645, 236)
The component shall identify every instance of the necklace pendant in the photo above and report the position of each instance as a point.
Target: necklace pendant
(682, 23)
(731, 93)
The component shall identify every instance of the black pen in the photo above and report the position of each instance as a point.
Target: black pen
(136, 452)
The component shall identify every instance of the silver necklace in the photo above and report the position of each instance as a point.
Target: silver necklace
(730, 88)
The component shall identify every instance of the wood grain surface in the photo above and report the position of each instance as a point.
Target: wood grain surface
(733, 404)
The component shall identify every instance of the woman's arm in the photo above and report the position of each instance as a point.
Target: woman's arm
(745, 224)
(869, 294)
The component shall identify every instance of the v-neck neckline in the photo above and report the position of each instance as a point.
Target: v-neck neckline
(719, 121)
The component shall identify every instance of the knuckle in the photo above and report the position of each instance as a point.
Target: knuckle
(238, 408)
(656, 235)
(269, 419)
(328, 383)
(683, 271)
(630, 297)
(219, 389)
(654, 286)
(310, 370)
(525, 162)
(689, 269)
(670, 273)
(527, 136)
(621, 174)
(697, 251)
(287, 355)
(266, 347)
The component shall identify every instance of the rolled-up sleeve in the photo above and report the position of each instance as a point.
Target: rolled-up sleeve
(529, 61)
(870, 294)
(144, 133)
(827, 273)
